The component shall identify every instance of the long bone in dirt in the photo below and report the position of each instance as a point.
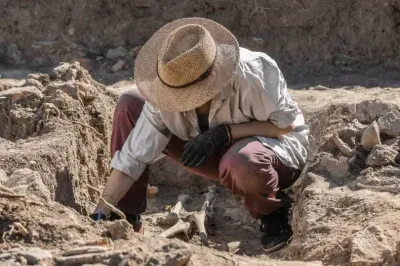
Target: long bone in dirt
(207, 211)
(199, 218)
(208, 207)
(179, 227)
(173, 216)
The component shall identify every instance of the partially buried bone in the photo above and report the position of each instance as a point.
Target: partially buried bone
(208, 207)
(173, 216)
(199, 219)
(392, 189)
(179, 227)
(343, 147)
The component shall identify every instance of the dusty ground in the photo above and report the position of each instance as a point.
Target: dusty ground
(54, 142)
(306, 37)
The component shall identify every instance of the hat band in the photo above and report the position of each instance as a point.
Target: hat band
(201, 78)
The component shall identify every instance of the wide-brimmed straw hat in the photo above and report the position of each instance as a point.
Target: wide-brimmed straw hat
(186, 63)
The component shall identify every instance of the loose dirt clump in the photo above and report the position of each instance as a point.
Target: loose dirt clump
(59, 125)
(347, 203)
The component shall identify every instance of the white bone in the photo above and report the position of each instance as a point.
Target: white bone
(173, 216)
(179, 227)
(199, 218)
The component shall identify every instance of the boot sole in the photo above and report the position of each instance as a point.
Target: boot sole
(275, 248)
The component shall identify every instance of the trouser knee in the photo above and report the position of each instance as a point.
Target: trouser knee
(130, 104)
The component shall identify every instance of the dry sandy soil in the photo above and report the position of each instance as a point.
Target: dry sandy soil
(54, 140)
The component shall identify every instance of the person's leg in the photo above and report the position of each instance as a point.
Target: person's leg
(127, 112)
(254, 172)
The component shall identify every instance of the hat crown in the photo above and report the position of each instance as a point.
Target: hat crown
(186, 55)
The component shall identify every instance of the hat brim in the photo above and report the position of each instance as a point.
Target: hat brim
(170, 99)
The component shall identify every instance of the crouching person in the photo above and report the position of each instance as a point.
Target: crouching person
(220, 111)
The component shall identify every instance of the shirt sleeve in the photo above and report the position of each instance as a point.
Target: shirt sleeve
(263, 91)
(144, 144)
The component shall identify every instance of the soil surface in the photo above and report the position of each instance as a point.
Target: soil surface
(54, 143)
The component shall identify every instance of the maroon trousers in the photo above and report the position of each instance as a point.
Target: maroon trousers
(249, 169)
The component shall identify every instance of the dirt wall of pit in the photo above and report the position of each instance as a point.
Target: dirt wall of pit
(305, 36)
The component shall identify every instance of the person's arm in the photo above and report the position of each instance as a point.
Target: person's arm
(258, 128)
(266, 103)
(143, 146)
(116, 187)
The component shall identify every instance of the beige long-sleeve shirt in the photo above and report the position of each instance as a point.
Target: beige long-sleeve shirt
(257, 92)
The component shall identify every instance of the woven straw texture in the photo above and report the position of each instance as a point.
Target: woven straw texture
(151, 62)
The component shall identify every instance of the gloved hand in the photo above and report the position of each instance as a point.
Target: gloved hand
(196, 151)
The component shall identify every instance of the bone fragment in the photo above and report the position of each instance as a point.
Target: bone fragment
(179, 227)
(210, 196)
(85, 250)
(152, 190)
(20, 229)
(343, 147)
(93, 242)
(89, 258)
(371, 137)
(392, 189)
(208, 207)
(173, 216)
(199, 218)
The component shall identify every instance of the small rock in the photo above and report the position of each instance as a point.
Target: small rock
(59, 71)
(23, 180)
(99, 58)
(104, 66)
(119, 52)
(390, 124)
(71, 31)
(33, 82)
(71, 74)
(44, 79)
(393, 143)
(119, 229)
(14, 54)
(135, 51)
(118, 66)
(370, 137)
(87, 91)
(3, 176)
(25, 96)
(319, 88)
(22, 260)
(381, 155)
(36, 255)
(152, 190)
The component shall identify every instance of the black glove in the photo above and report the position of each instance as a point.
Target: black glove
(196, 151)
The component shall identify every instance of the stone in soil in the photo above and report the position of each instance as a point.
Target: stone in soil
(381, 155)
(119, 52)
(120, 65)
(390, 124)
(24, 180)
